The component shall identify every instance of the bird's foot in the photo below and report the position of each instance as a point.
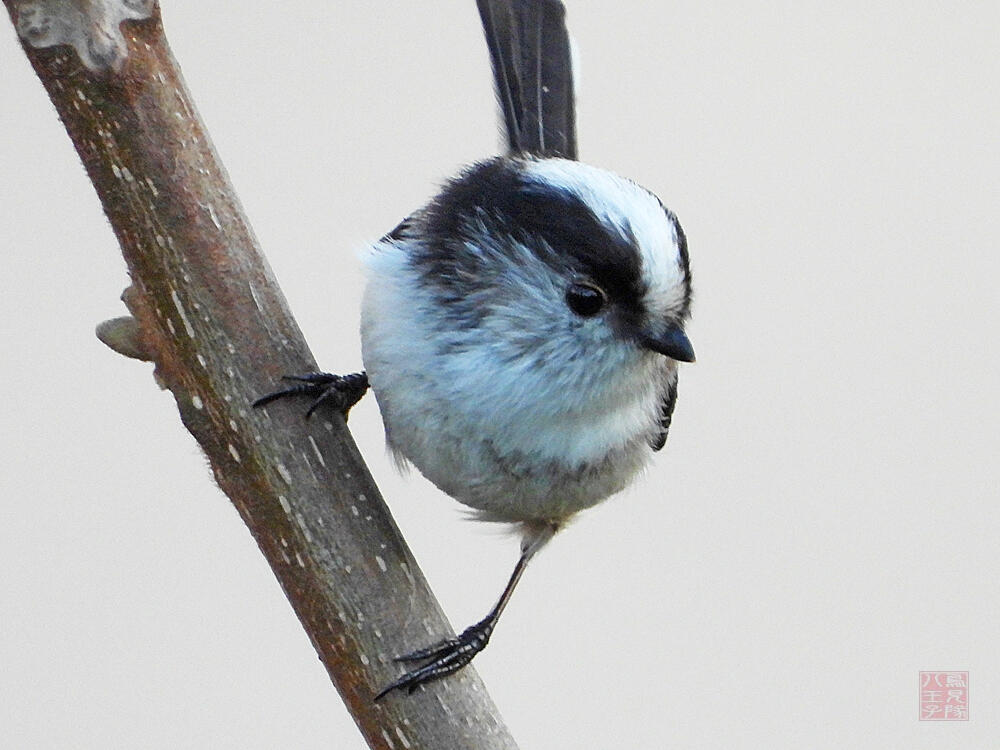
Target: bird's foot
(340, 391)
(448, 656)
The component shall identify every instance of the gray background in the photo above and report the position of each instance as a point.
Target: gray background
(823, 523)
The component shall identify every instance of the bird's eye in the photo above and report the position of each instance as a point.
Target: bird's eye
(585, 299)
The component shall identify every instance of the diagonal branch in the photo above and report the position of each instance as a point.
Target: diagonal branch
(208, 312)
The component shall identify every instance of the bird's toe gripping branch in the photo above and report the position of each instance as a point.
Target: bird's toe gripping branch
(443, 658)
(339, 391)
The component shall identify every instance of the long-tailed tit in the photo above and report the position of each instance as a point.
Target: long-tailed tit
(521, 332)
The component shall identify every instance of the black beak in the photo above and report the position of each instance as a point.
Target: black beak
(673, 343)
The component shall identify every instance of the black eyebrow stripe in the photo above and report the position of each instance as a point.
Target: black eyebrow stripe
(570, 233)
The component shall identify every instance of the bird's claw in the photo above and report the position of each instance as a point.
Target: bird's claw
(446, 657)
(340, 391)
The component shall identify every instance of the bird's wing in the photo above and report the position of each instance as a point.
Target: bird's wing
(533, 71)
(658, 440)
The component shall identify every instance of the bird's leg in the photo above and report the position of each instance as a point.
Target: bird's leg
(452, 654)
(340, 391)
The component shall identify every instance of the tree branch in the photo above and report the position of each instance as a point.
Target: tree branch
(208, 312)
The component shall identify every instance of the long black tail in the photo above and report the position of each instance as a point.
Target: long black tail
(533, 71)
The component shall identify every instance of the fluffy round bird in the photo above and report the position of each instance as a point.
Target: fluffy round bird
(522, 331)
(521, 335)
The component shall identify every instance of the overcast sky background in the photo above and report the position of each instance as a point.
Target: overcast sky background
(823, 523)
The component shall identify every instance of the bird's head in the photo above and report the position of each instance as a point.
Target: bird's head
(544, 262)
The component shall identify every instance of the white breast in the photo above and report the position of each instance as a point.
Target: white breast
(516, 440)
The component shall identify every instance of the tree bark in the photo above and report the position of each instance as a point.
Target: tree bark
(207, 311)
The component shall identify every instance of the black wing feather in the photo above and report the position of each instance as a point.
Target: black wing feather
(533, 71)
(666, 415)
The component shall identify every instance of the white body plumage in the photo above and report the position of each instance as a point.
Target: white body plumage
(488, 380)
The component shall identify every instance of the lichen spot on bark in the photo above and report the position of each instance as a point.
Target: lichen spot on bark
(92, 28)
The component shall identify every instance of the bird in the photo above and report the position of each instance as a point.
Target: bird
(522, 331)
